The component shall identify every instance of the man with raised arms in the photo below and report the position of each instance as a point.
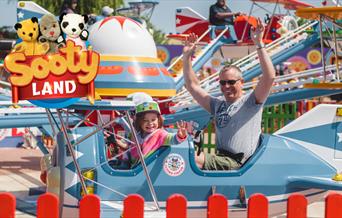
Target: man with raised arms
(237, 115)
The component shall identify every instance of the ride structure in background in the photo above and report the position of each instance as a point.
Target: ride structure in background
(139, 8)
(189, 21)
(332, 15)
(280, 50)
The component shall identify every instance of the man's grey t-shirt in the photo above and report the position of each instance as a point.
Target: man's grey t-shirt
(238, 124)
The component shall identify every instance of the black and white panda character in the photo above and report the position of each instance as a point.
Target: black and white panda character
(74, 26)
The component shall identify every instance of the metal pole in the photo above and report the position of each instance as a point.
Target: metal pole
(82, 121)
(78, 170)
(67, 118)
(335, 46)
(333, 21)
(98, 128)
(322, 49)
(49, 114)
(99, 117)
(273, 13)
(50, 117)
(245, 28)
(181, 56)
(141, 156)
(114, 8)
(336, 55)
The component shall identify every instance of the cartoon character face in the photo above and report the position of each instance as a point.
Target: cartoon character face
(73, 24)
(49, 27)
(174, 163)
(28, 30)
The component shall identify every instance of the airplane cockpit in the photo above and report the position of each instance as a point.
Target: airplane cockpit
(118, 152)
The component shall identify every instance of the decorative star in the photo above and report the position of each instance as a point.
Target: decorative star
(20, 131)
(120, 19)
(20, 15)
(178, 21)
(339, 137)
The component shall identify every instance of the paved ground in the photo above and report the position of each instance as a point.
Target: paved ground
(19, 171)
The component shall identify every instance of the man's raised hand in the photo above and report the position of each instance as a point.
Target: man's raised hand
(190, 45)
(258, 32)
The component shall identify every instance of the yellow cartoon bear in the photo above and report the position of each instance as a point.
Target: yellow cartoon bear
(28, 31)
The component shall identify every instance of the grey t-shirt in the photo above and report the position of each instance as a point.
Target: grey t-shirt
(238, 124)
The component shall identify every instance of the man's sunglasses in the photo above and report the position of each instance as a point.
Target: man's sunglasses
(229, 82)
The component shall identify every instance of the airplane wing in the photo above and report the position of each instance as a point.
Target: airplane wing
(103, 105)
(25, 117)
(30, 115)
(28, 9)
(314, 182)
(315, 13)
(288, 4)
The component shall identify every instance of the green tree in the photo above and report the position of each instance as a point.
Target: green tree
(95, 6)
(84, 6)
(7, 32)
(302, 21)
(158, 35)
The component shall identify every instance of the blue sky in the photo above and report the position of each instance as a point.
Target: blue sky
(8, 12)
(164, 13)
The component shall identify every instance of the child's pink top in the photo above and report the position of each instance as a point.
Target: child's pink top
(155, 140)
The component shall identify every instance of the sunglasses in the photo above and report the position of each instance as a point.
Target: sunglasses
(229, 82)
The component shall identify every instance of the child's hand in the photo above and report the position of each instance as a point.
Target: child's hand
(182, 129)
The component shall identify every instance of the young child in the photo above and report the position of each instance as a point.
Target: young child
(150, 133)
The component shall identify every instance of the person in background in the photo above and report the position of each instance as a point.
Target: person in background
(29, 140)
(47, 161)
(106, 11)
(69, 7)
(220, 15)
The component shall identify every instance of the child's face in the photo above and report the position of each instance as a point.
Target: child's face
(150, 122)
